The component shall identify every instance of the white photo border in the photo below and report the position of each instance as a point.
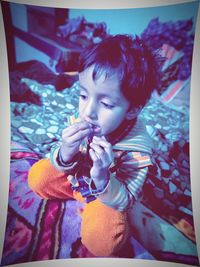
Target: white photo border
(5, 129)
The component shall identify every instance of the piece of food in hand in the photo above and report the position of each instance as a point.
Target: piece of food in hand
(95, 129)
(73, 119)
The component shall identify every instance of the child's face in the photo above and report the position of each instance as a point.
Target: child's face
(101, 102)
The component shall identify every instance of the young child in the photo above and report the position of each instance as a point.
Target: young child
(105, 153)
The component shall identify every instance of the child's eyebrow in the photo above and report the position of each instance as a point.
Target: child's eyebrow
(83, 88)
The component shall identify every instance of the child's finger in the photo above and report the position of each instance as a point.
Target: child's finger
(96, 160)
(78, 136)
(80, 126)
(101, 142)
(98, 149)
(102, 154)
(104, 144)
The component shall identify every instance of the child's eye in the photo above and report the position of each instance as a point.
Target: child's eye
(108, 106)
(83, 97)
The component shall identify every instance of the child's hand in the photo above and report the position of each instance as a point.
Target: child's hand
(102, 156)
(72, 137)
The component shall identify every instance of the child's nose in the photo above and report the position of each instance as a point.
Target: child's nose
(91, 110)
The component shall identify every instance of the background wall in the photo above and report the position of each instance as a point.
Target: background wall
(130, 21)
(136, 20)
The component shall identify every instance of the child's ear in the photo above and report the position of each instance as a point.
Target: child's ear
(132, 113)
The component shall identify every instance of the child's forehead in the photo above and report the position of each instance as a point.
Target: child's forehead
(101, 74)
(105, 86)
(86, 78)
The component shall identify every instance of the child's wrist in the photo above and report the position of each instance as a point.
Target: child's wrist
(98, 185)
(65, 163)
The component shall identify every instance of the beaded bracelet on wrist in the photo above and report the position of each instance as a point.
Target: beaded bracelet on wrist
(100, 190)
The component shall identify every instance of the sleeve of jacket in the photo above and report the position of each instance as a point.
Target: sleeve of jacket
(126, 183)
(70, 168)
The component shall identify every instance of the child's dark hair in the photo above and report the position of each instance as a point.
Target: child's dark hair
(137, 67)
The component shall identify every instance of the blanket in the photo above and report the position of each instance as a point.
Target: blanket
(35, 227)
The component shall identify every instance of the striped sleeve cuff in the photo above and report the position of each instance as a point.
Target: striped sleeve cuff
(116, 195)
(54, 158)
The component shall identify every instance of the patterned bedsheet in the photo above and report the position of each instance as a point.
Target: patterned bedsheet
(36, 229)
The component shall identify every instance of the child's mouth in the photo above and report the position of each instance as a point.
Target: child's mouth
(95, 129)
